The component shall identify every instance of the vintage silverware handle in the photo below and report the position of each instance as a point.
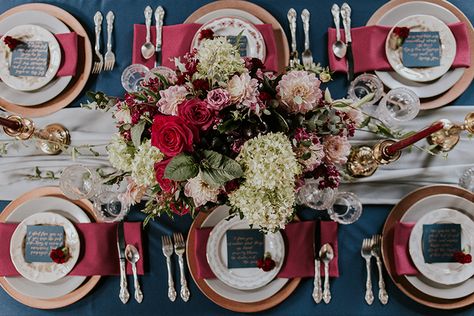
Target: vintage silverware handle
(171, 290)
(98, 28)
(138, 291)
(110, 26)
(383, 296)
(123, 295)
(369, 295)
(305, 15)
(335, 15)
(148, 12)
(292, 22)
(317, 291)
(184, 285)
(346, 21)
(327, 290)
(159, 15)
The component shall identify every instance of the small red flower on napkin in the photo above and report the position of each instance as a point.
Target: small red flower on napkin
(266, 264)
(206, 34)
(11, 42)
(59, 255)
(402, 32)
(398, 36)
(462, 257)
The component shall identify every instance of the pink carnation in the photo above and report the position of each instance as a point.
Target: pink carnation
(299, 91)
(218, 99)
(171, 98)
(336, 148)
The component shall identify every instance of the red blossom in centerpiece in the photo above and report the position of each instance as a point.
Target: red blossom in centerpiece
(167, 185)
(172, 135)
(196, 112)
(206, 34)
(266, 264)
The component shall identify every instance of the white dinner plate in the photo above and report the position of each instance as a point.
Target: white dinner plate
(423, 23)
(242, 278)
(413, 214)
(229, 12)
(56, 85)
(26, 33)
(231, 293)
(65, 285)
(392, 79)
(233, 26)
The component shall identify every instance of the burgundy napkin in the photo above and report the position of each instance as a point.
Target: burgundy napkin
(98, 255)
(177, 42)
(368, 47)
(68, 43)
(403, 263)
(299, 247)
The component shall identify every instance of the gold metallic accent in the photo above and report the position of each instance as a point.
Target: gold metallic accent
(27, 127)
(53, 138)
(469, 123)
(381, 155)
(361, 162)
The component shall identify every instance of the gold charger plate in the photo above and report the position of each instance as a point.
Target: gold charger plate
(71, 297)
(83, 67)
(257, 11)
(459, 87)
(232, 305)
(387, 246)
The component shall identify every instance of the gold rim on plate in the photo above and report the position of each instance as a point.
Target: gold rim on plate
(83, 67)
(387, 246)
(71, 297)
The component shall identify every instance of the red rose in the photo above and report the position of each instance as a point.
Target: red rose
(462, 257)
(196, 112)
(59, 255)
(167, 185)
(11, 42)
(171, 135)
(402, 32)
(266, 264)
(206, 33)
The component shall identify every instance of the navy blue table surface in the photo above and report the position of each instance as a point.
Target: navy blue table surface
(348, 289)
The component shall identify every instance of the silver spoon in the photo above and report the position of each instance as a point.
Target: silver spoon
(132, 255)
(326, 254)
(339, 48)
(148, 49)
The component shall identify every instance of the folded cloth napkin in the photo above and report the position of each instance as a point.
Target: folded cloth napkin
(403, 263)
(98, 255)
(69, 54)
(177, 42)
(368, 47)
(299, 244)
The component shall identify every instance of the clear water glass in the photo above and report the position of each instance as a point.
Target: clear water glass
(79, 182)
(467, 180)
(133, 76)
(362, 86)
(346, 209)
(315, 198)
(398, 105)
(109, 207)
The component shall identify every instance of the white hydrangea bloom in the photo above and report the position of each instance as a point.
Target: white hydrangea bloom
(120, 155)
(143, 171)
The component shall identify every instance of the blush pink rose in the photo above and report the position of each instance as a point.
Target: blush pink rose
(218, 99)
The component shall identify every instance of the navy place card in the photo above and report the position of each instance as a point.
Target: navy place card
(440, 242)
(421, 49)
(244, 248)
(30, 59)
(40, 240)
(243, 43)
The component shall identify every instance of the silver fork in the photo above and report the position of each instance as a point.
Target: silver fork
(109, 55)
(306, 56)
(98, 58)
(179, 249)
(376, 252)
(167, 247)
(366, 253)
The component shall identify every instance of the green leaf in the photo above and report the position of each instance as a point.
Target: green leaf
(181, 167)
(327, 96)
(281, 122)
(218, 169)
(137, 131)
(365, 122)
(228, 126)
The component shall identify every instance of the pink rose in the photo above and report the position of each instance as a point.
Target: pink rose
(218, 99)
(195, 112)
(171, 135)
(167, 185)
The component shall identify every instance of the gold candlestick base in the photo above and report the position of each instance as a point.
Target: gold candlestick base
(447, 138)
(26, 130)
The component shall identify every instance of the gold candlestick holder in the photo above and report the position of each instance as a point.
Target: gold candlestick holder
(447, 138)
(51, 139)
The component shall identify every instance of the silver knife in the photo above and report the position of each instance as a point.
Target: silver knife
(123, 295)
(346, 21)
(159, 15)
(317, 291)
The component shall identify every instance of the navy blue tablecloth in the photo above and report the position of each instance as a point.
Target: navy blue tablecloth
(348, 290)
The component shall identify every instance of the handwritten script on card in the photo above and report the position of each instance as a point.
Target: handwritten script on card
(440, 242)
(244, 248)
(243, 44)
(422, 49)
(40, 240)
(30, 59)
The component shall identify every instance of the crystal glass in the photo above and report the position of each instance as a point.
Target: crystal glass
(133, 76)
(311, 196)
(398, 105)
(467, 180)
(108, 206)
(362, 86)
(346, 208)
(79, 182)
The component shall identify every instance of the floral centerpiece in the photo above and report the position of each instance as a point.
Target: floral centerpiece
(219, 130)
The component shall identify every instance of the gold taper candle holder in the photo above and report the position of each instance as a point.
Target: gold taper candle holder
(447, 138)
(51, 139)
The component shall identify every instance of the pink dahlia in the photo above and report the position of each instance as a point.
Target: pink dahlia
(336, 148)
(299, 91)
